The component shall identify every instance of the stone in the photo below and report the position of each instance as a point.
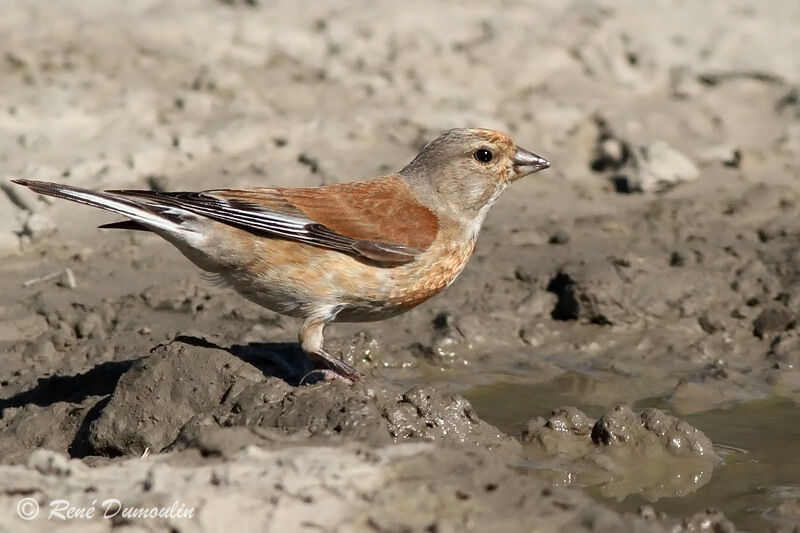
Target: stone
(773, 319)
(656, 167)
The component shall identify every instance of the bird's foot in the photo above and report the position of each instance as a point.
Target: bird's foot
(327, 375)
(332, 368)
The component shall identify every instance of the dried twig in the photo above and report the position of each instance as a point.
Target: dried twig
(66, 275)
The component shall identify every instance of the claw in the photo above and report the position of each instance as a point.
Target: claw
(331, 366)
(327, 375)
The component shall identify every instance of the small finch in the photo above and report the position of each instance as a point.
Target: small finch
(350, 252)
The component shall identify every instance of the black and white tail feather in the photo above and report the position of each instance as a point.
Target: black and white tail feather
(143, 215)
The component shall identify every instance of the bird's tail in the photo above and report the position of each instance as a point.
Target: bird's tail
(142, 214)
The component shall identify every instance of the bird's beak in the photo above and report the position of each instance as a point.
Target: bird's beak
(526, 162)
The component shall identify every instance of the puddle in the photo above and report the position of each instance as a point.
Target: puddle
(758, 442)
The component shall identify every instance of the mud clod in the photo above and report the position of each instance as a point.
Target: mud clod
(610, 451)
(570, 420)
(160, 393)
(773, 319)
(424, 413)
(168, 398)
(712, 521)
(621, 427)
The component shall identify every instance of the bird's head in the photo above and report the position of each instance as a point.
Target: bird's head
(463, 171)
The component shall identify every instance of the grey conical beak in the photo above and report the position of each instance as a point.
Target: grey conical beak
(526, 162)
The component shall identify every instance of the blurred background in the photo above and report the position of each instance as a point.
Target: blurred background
(655, 263)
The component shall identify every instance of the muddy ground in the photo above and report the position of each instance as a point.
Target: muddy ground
(625, 332)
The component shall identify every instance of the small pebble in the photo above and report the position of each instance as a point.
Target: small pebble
(559, 237)
(773, 319)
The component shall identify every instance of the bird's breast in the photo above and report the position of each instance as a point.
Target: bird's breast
(410, 285)
(431, 274)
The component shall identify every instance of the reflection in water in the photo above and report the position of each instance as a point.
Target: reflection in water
(758, 443)
(618, 473)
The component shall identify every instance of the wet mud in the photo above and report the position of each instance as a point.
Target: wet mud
(621, 352)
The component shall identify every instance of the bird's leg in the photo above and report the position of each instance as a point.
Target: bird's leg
(310, 338)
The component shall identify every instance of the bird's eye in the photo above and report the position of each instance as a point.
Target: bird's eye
(483, 155)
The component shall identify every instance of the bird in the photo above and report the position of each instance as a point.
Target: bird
(357, 251)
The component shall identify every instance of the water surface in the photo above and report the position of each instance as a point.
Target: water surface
(759, 443)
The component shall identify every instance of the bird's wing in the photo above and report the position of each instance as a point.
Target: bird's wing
(378, 220)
